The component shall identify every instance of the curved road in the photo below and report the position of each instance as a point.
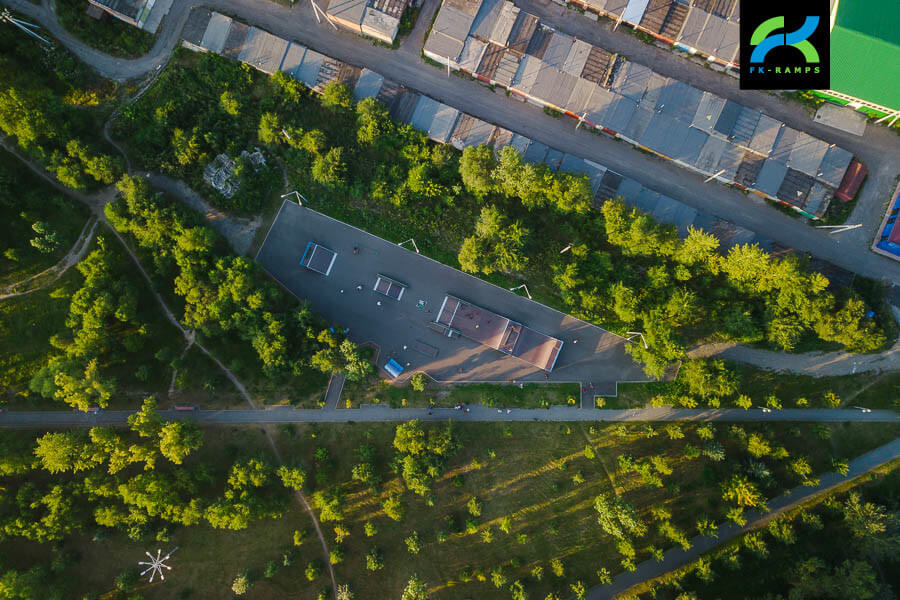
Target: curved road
(384, 414)
(406, 67)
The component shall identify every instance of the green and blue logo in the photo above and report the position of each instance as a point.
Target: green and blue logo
(784, 47)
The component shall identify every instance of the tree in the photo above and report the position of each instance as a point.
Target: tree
(241, 584)
(269, 131)
(313, 570)
(47, 240)
(517, 590)
(370, 529)
(82, 392)
(758, 446)
(178, 439)
(556, 565)
(744, 401)
(330, 504)
(62, 452)
(146, 422)
(330, 169)
(374, 560)
(497, 246)
(418, 382)
(578, 590)
(293, 478)
(343, 593)
(393, 507)
(336, 95)
(476, 168)
(415, 589)
(498, 577)
(474, 507)
(413, 543)
(742, 492)
(708, 379)
(617, 517)
(873, 529)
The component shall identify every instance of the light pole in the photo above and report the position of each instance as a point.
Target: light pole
(839, 228)
(413, 244)
(156, 564)
(317, 10)
(632, 334)
(713, 176)
(521, 287)
(566, 249)
(23, 25)
(295, 192)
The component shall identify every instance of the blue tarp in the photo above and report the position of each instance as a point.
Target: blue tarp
(393, 367)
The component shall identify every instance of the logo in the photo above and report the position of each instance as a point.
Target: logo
(785, 47)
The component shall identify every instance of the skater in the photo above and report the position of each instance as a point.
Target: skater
(359, 288)
(355, 249)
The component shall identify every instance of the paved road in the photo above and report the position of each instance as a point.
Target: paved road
(405, 66)
(677, 557)
(383, 414)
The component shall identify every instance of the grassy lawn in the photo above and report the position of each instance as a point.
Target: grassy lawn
(528, 395)
(108, 34)
(526, 471)
(35, 201)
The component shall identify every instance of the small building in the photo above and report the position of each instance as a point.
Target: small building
(143, 14)
(379, 19)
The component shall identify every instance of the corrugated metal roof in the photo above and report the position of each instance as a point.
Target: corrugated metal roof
(598, 105)
(765, 135)
(654, 90)
(609, 184)
(351, 11)
(554, 158)
(818, 199)
(645, 200)
(486, 18)
(784, 144)
(216, 33)
(629, 189)
(558, 49)
(746, 123)
(636, 82)
(708, 112)
(553, 86)
(536, 152)
(834, 165)
(522, 31)
(527, 74)
(234, 43)
(598, 64)
(466, 7)
(263, 50)
(728, 118)
(731, 159)
(502, 137)
(770, 177)
(520, 143)
(619, 113)
(292, 59)
(539, 40)
(748, 171)
(711, 35)
(508, 14)
(471, 55)
(679, 100)
(693, 27)
(577, 58)
(807, 154)
(711, 154)
(308, 71)
(507, 68)
(368, 85)
(380, 25)
(435, 118)
(795, 188)
(638, 124)
(581, 95)
(634, 11)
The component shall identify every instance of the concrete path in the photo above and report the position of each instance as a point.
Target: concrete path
(384, 414)
(48, 276)
(881, 151)
(333, 394)
(676, 557)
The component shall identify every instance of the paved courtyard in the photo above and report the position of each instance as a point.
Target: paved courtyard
(398, 328)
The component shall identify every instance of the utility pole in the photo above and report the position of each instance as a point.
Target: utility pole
(317, 11)
(448, 67)
(580, 121)
(23, 25)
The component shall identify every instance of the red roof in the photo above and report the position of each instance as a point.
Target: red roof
(895, 234)
(853, 178)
